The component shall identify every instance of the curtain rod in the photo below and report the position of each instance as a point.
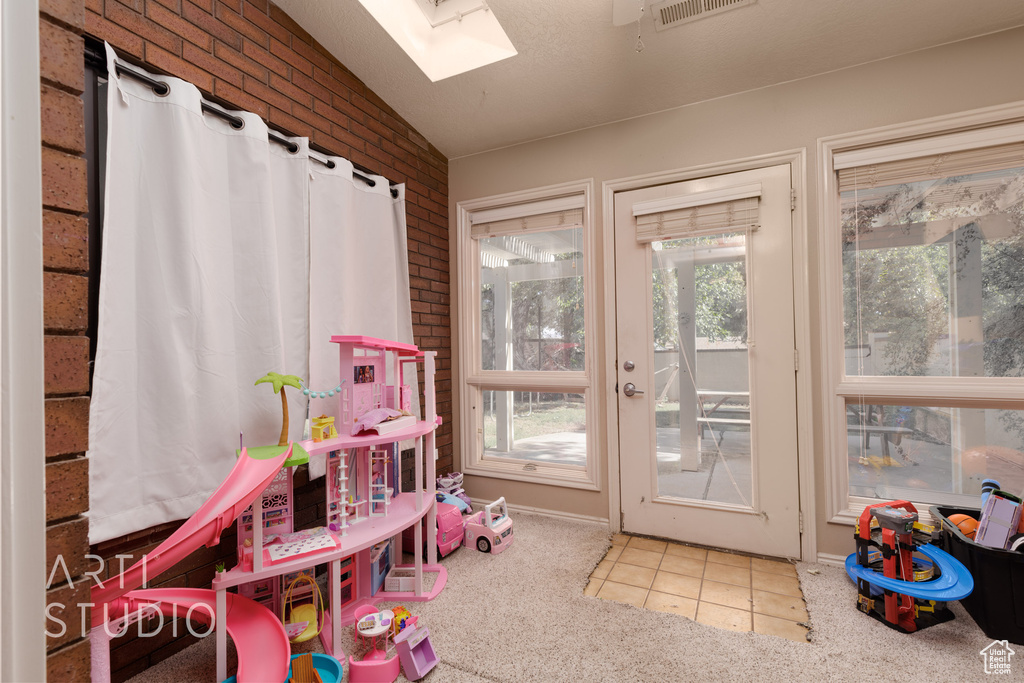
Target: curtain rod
(161, 88)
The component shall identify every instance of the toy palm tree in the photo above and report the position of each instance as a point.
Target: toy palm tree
(279, 382)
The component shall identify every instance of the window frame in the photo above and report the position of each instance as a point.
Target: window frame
(473, 380)
(979, 128)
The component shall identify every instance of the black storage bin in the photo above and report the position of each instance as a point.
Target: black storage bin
(997, 603)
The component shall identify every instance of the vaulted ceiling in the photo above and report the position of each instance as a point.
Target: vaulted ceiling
(575, 69)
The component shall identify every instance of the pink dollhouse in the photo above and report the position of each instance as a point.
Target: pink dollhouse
(366, 508)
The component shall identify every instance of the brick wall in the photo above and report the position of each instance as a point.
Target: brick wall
(66, 348)
(249, 55)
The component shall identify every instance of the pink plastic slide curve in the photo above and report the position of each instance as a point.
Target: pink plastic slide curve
(264, 653)
(254, 629)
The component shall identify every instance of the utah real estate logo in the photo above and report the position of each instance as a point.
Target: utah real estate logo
(997, 657)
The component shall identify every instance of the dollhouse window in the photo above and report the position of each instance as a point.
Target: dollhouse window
(527, 322)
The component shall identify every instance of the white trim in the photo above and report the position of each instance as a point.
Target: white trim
(923, 147)
(832, 560)
(533, 208)
(543, 512)
(571, 195)
(797, 159)
(839, 507)
(22, 432)
(693, 199)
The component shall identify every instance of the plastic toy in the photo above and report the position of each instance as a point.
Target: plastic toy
(258, 495)
(1000, 516)
(490, 530)
(323, 428)
(450, 531)
(375, 667)
(452, 484)
(416, 652)
(966, 524)
(305, 621)
(886, 573)
(279, 382)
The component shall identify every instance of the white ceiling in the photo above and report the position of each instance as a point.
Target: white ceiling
(575, 69)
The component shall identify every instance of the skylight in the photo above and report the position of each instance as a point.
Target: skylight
(443, 37)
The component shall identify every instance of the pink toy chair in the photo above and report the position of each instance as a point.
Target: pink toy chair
(373, 671)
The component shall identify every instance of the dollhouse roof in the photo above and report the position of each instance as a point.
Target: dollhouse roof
(374, 343)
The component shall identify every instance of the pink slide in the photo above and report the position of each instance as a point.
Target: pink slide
(258, 634)
(245, 482)
(264, 653)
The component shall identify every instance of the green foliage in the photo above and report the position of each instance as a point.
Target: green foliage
(280, 381)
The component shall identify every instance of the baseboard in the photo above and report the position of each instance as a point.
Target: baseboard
(832, 560)
(478, 504)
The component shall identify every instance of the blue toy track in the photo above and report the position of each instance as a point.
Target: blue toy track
(955, 582)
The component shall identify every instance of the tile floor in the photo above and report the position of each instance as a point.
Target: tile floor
(720, 589)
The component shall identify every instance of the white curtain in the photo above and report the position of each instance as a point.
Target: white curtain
(359, 272)
(205, 287)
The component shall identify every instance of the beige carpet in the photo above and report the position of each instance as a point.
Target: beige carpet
(522, 616)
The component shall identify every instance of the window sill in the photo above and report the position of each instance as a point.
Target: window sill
(550, 475)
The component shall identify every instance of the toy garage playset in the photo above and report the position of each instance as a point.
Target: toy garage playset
(277, 600)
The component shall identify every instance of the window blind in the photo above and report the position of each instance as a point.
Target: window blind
(964, 153)
(694, 215)
(551, 214)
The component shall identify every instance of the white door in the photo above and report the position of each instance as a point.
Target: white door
(706, 362)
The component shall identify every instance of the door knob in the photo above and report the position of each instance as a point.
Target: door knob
(629, 389)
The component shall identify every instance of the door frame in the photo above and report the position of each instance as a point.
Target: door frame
(797, 159)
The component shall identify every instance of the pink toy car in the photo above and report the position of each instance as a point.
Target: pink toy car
(491, 528)
(449, 530)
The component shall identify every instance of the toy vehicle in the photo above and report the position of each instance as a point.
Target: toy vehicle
(449, 530)
(490, 529)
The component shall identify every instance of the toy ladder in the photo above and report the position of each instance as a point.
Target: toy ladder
(379, 499)
(341, 491)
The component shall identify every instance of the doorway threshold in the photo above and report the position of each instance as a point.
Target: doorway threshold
(713, 587)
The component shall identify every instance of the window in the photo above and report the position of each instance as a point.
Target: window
(925, 275)
(525, 275)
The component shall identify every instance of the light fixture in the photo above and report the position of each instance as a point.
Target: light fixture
(443, 37)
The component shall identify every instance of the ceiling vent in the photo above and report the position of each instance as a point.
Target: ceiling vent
(671, 13)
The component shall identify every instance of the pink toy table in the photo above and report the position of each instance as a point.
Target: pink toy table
(373, 626)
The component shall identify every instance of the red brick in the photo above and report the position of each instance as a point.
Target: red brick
(205, 5)
(233, 5)
(173, 5)
(349, 109)
(297, 95)
(150, 31)
(311, 86)
(121, 39)
(235, 21)
(340, 73)
(65, 242)
(62, 120)
(332, 84)
(279, 15)
(288, 123)
(66, 364)
(268, 95)
(317, 122)
(63, 610)
(261, 5)
(60, 57)
(70, 541)
(180, 27)
(67, 425)
(67, 488)
(211, 64)
(297, 61)
(65, 302)
(218, 30)
(240, 61)
(259, 17)
(239, 99)
(70, 663)
(176, 66)
(314, 56)
(262, 56)
(71, 13)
